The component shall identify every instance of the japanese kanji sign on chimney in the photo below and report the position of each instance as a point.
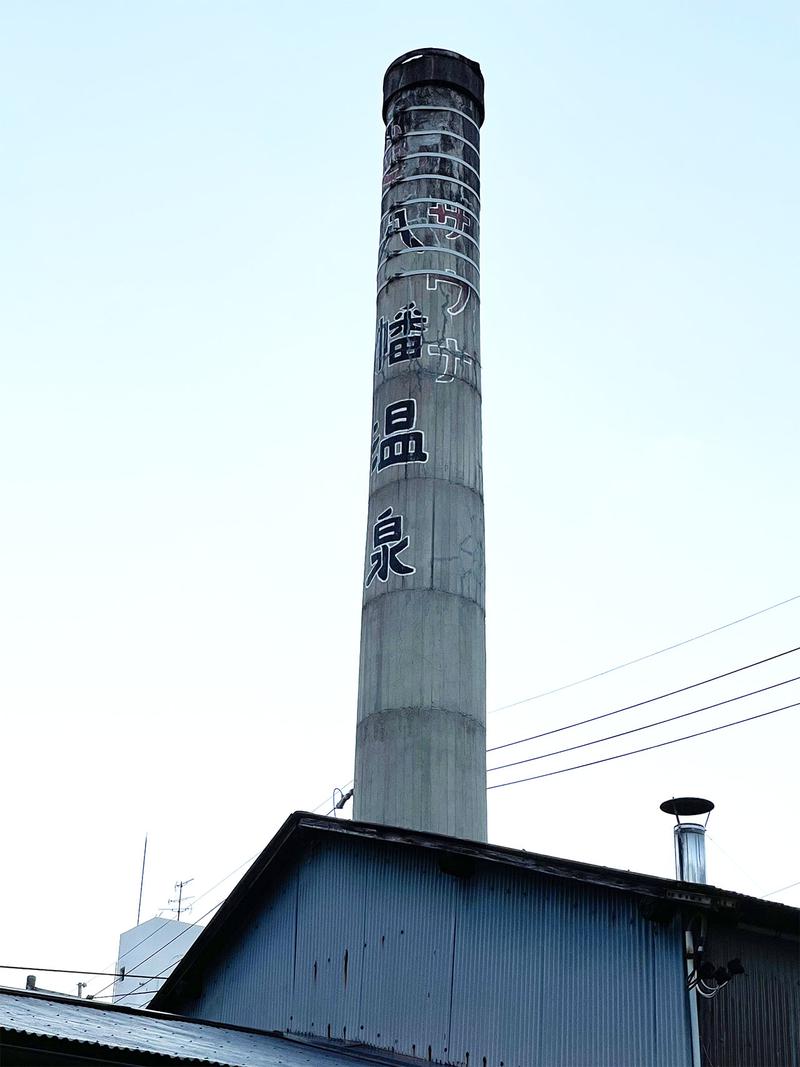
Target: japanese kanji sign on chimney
(420, 745)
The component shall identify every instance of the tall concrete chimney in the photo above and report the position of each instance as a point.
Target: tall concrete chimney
(421, 736)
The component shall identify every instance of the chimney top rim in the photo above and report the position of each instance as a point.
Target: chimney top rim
(434, 66)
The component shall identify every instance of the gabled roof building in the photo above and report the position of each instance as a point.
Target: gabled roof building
(465, 953)
(349, 941)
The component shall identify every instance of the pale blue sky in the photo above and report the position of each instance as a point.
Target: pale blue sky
(190, 202)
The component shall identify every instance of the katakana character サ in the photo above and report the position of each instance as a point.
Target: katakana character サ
(449, 351)
(453, 215)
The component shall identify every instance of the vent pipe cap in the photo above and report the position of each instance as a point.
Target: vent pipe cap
(678, 806)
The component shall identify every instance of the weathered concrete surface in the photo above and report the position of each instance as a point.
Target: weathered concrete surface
(420, 748)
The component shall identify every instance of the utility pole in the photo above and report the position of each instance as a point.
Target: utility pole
(179, 899)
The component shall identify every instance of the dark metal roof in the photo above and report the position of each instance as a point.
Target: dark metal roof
(458, 856)
(136, 1030)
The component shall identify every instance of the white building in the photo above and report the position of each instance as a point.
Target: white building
(151, 948)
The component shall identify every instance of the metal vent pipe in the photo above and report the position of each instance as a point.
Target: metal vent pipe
(690, 852)
(689, 837)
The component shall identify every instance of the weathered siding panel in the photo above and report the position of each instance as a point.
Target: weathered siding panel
(572, 975)
(754, 1021)
(488, 966)
(410, 910)
(330, 936)
(254, 978)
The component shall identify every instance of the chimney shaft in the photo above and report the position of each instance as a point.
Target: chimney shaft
(420, 741)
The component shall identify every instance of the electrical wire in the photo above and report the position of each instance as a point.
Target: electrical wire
(327, 800)
(202, 895)
(166, 945)
(734, 861)
(167, 921)
(781, 890)
(340, 803)
(72, 970)
(708, 996)
(649, 655)
(647, 748)
(134, 991)
(647, 726)
(641, 703)
(142, 992)
(161, 972)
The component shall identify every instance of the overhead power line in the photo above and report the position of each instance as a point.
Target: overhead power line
(329, 799)
(134, 991)
(167, 921)
(647, 748)
(732, 859)
(162, 947)
(649, 655)
(647, 726)
(73, 970)
(213, 908)
(202, 895)
(641, 703)
(782, 889)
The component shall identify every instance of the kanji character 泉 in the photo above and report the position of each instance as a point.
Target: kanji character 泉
(388, 542)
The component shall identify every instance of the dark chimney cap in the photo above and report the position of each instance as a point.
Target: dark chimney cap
(433, 66)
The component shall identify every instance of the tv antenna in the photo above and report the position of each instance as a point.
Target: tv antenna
(180, 898)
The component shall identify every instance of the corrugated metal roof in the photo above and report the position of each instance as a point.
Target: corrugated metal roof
(133, 1030)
